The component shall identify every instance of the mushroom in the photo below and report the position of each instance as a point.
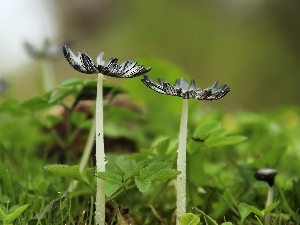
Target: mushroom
(267, 175)
(45, 54)
(186, 91)
(128, 69)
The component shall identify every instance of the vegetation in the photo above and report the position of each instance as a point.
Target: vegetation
(42, 141)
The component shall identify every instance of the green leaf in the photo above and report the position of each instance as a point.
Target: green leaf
(207, 217)
(218, 133)
(189, 219)
(110, 177)
(151, 170)
(79, 119)
(165, 174)
(110, 188)
(221, 141)
(245, 208)
(244, 211)
(88, 175)
(162, 147)
(51, 121)
(125, 165)
(112, 182)
(270, 159)
(270, 208)
(15, 214)
(226, 223)
(38, 102)
(228, 198)
(71, 172)
(142, 185)
(59, 95)
(142, 164)
(203, 131)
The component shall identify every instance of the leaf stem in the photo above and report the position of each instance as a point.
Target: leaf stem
(100, 156)
(181, 162)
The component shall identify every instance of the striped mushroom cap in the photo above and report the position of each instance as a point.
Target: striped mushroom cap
(183, 89)
(84, 64)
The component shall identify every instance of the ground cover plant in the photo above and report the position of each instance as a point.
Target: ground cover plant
(42, 142)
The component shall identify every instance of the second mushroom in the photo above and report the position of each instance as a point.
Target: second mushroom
(185, 90)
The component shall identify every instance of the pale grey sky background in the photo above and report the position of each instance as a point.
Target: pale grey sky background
(23, 20)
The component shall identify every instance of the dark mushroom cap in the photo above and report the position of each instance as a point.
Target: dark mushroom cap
(267, 175)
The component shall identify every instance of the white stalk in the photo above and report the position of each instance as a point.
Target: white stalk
(49, 81)
(100, 156)
(269, 202)
(86, 153)
(181, 162)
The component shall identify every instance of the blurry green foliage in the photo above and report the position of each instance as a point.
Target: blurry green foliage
(224, 150)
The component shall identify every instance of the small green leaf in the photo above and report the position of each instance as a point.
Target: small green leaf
(142, 164)
(165, 174)
(226, 223)
(151, 170)
(270, 159)
(38, 102)
(90, 82)
(51, 121)
(244, 212)
(189, 219)
(110, 177)
(162, 147)
(142, 185)
(15, 214)
(125, 165)
(203, 131)
(221, 132)
(71, 172)
(228, 198)
(79, 118)
(270, 207)
(110, 188)
(59, 95)
(221, 141)
(245, 208)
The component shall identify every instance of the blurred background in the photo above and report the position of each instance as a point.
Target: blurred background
(253, 46)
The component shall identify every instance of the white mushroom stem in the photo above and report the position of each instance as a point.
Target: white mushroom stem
(269, 202)
(100, 155)
(48, 75)
(181, 162)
